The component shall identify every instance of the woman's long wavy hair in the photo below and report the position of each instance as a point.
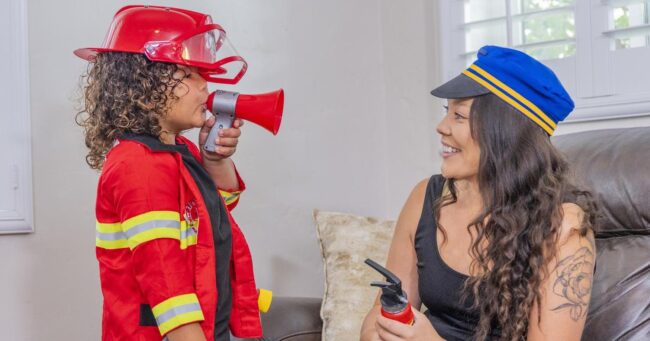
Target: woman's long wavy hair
(124, 92)
(523, 181)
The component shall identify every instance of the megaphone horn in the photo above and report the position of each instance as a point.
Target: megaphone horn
(264, 110)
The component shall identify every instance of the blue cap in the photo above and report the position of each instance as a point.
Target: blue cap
(518, 79)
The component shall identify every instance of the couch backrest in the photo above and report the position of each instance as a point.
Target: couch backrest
(615, 164)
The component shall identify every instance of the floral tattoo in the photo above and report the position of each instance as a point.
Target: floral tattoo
(574, 279)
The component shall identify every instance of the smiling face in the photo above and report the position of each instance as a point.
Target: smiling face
(460, 152)
(188, 110)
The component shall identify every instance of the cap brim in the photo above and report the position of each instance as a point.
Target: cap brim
(460, 87)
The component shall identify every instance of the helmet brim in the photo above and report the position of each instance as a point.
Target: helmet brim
(90, 53)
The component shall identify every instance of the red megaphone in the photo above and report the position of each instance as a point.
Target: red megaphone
(264, 110)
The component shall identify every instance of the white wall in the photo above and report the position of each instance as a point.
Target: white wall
(358, 133)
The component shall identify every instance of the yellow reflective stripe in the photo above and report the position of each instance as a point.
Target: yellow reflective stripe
(229, 197)
(176, 311)
(143, 228)
(149, 216)
(510, 101)
(514, 94)
(111, 244)
(110, 236)
(151, 234)
(152, 225)
(177, 321)
(108, 228)
(188, 236)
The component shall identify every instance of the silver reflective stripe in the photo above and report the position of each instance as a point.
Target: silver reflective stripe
(187, 233)
(149, 225)
(173, 312)
(110, 236)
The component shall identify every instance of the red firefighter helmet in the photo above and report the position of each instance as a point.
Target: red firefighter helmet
(173, 35)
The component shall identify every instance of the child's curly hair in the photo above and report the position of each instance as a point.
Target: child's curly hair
(124, 92)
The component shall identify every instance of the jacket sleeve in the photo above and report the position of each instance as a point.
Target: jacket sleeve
(146, 196)
(231, 197)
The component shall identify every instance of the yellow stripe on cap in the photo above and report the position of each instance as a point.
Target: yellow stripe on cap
(510, 101)
(514, 94)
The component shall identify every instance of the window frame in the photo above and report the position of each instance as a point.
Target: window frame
(20, 219)
(588, 73)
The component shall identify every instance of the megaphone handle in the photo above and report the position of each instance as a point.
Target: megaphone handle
(222, 121)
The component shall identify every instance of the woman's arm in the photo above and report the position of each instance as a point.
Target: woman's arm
(402, 261)
(566, 292)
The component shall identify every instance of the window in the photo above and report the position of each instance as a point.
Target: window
(596, 47)
(15, 139)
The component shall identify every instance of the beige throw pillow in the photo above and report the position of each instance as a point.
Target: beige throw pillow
(346, 241)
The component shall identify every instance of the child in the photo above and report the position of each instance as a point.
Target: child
(173, 263)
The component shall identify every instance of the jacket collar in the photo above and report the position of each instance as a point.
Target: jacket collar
(153, 143)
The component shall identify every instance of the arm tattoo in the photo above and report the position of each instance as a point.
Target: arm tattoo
(574, 279)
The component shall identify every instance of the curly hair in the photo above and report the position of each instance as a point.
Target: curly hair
(523, 181)
(124, 93)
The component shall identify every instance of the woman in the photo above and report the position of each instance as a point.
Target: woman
(499, 246)
(173, 263)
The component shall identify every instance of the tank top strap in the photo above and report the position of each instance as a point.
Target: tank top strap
(433, 192)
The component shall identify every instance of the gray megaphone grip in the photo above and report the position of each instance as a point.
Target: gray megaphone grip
(223, 107)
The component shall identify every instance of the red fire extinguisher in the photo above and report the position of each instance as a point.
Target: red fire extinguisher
(394, 304)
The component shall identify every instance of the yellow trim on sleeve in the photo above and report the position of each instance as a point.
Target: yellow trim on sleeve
(175, 321)
(188, 236)
(111, 244)
(155, 233)
(229, 197)
(108, 227)
(149, 216)
(172, 302)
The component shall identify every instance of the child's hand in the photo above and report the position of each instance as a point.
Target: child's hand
(226, 141)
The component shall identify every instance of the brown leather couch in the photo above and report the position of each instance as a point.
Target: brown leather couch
(615, 163)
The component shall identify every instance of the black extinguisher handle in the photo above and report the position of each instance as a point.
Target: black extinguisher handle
(390, 277)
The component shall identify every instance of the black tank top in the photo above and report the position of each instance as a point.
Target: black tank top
(439, 285)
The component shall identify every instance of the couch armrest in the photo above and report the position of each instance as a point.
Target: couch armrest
(293, 319)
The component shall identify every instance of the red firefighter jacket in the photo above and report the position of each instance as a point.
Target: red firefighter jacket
(155, 248)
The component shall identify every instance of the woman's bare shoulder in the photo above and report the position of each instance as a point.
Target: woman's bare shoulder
(412, 210)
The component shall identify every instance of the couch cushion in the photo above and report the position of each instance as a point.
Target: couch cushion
(346, 241)
(620, 298)
(292, 319)
(615, 164)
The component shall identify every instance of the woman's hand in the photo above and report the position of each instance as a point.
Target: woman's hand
(227, 140)
(390, 330)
